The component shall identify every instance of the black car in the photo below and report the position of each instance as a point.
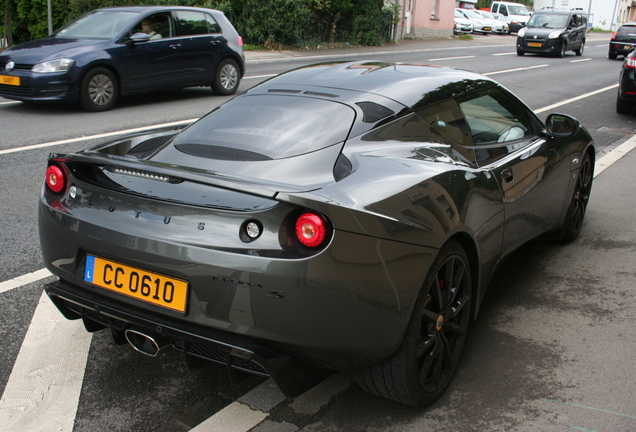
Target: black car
(623, 41)
(626, 97)
(345, 215)
(553, 31)
(113, 52)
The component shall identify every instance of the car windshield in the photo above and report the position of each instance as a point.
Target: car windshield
(473, 14)
(548, 21)
(97, 25)
(487, 15)
(518, 10)
(627, 30)
(458, 14)
(264, 127)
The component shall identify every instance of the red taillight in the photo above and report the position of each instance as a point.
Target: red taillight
(240, 40)
(55, 178)
(630, 62)
(614, 35)
(311, 229)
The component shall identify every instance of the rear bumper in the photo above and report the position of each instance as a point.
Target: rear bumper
(621, 48)
(196, 342)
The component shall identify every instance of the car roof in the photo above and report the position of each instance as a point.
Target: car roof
(141, 9)
(406, 83)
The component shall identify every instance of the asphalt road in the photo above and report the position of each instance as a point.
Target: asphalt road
(552, 349)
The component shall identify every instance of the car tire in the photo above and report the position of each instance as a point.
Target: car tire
(99, 90)
(578, 205)
(579, 50)
(421, 369)
(622, 106)
(520, 52)
(227, 78)
(612, 55)
(562, 49)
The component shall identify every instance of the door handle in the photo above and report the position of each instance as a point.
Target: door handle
(175, 46)
(507, 175)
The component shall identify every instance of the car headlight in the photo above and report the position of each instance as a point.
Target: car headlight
(521, 33)
(58, 65)
(554, 34)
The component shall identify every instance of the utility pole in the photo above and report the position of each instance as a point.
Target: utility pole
(6, 34)
(50, 15)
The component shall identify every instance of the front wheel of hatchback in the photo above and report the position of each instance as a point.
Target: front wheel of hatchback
(580, 198)
(579, 50)
(520, 52)
(422, 367)
(99, 90)
(226, 78)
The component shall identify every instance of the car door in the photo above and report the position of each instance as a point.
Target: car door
(531, 171)
(201, 41)
(155, 63)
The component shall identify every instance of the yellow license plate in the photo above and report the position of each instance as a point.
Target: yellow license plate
(534, 44)
(487, 28)
(10, 80)
(141, 284)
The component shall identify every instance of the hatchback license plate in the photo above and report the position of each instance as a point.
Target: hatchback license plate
(141, 284)
(9, 80)
(534, 44)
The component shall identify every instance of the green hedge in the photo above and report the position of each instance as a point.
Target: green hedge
(261, 22)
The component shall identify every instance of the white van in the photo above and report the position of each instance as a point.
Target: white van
(515, 14)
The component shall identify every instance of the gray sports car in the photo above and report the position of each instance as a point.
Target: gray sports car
(344, 215)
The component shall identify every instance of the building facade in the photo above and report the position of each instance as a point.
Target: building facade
(421, 19)
(604, 14)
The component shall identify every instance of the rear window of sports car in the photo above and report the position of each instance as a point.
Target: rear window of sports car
(266, 127)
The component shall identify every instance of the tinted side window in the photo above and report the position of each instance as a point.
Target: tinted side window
(494, 118)
(213, 26)
(192, 23)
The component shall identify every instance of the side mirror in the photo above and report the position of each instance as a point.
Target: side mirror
(139, 38)
(561, 125)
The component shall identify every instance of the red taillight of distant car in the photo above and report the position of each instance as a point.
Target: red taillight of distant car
(614, 36)
(55, 178)
(312, 229)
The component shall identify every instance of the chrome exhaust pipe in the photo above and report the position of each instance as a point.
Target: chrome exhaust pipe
(146, 342)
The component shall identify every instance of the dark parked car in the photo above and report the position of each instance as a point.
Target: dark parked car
(553, 31)
(338, 216)
(626, 97)
(623, 41)
(113, 52)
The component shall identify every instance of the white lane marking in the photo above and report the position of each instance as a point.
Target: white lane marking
(515, 69)
(260, 76)
(24, 280)
(450, 58)
(9, 103)
(574, 99)
(613, 156)
(581, 60)
(506, 53)
(235, 417)
(43, 390)
(98, 136)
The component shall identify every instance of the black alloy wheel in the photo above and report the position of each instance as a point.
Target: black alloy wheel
(226, 78)
(520, 52)
(421, 369)
(99, 91)
(622, 106)
(580, 198)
